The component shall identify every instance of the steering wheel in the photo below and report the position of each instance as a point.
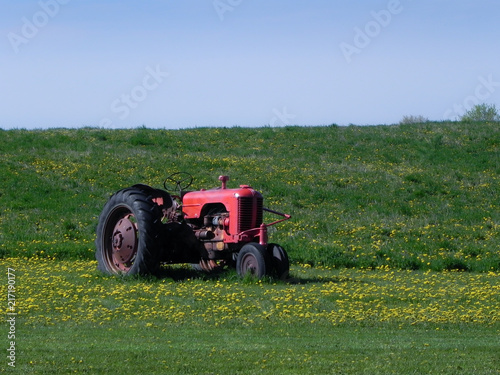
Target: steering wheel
(178, 181)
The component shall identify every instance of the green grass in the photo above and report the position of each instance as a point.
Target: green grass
(73, 319)
(421, 196)
(376, 211)
(262, 350)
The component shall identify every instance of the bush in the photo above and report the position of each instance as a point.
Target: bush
(407, 120)
(481, 112)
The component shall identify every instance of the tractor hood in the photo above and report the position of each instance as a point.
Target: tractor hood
(194, 202)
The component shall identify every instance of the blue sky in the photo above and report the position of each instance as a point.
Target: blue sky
(196, 63)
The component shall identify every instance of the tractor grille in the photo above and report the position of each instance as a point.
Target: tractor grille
(248, 216)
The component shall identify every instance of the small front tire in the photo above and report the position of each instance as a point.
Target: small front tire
(279, 260)
(253, 260)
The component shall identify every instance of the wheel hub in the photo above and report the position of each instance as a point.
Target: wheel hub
(124, 241)
(249, 264)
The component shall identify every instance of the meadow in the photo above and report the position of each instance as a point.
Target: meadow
(73, 319)
(394, 245)
(422, 196)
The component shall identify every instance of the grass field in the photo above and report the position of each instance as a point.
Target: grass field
(74, 319)
(394, 243)
(412, 197)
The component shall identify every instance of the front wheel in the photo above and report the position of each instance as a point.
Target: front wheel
(127, 234)
(280, 262)
(253, 260)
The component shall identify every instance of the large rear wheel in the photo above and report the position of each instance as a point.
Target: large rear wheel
(127, 234)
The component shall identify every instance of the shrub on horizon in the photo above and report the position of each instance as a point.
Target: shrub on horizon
(407, 120)
(481, 112)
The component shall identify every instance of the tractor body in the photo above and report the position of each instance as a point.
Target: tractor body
(141, 227)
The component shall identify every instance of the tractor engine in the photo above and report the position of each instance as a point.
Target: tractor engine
(212, 231)
(224, 219)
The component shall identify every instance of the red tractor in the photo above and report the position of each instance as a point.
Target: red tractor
(141, 227)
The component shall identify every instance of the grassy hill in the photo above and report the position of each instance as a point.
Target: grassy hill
(422, 196)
